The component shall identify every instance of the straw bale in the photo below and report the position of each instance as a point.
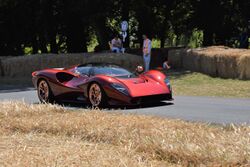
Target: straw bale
(1, 69)
(244, 66)
(227, 66)
(25, 65)
(175, 57)
(218, 61)
(192, 61)
(208, 65)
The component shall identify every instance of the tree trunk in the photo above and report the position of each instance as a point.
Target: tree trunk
(43, 44)
(34, 45)
(103, 34)
(162, 39)
(53, 44)
(125, 16)
(208, 38)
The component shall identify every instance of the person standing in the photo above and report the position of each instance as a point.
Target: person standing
(146, 52)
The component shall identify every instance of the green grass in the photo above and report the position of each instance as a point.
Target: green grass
(197, 84)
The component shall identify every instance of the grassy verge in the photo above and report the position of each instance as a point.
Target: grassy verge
(197, 84)
(46, 135)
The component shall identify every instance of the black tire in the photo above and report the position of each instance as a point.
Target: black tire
(97, 96)
(44, 92)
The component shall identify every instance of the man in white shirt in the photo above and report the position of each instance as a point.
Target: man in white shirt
(146, 52)
(116, 44)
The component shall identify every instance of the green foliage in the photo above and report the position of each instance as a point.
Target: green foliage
(28, 50)
(92, 44)
(196, 39)
(156, 43)
(28, 26)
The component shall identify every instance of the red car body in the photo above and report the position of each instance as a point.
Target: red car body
(122, 88)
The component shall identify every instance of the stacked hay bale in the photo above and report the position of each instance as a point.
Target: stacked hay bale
(217, 61)
(212, 61)
(25, 65)
(2, 58)
(244, 66)
(175, 57)
(1, 68)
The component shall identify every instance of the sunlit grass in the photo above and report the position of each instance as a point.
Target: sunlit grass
(192, 83)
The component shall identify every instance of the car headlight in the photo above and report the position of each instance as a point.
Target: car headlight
(167, 82)
(120, 88)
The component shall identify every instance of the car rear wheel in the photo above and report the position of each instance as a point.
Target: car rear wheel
(44, 93)
(97, 96)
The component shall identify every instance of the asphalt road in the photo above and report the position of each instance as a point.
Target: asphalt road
(201, 109)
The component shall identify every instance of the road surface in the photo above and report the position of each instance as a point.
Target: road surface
(201, 109)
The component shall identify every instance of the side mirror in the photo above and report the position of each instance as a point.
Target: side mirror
(139, 69)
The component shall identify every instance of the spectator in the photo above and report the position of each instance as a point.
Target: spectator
(146, 52)
(116, 45)
(166, 65)
(139, 70)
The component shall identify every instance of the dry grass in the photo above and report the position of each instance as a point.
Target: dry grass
(46, 135)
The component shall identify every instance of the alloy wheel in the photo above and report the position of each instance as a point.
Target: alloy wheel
(95, 95)
(43, 91)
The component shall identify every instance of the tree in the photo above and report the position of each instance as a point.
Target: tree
(67, 26)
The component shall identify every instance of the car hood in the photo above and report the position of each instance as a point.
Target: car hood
(144, 87)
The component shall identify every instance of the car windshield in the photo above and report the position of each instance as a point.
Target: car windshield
(82, 70)
(104, 69)
(112, 71)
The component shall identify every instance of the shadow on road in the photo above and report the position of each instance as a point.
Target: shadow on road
(87, 106)
(11, 89)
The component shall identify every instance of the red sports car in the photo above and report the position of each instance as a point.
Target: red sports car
(101, 85)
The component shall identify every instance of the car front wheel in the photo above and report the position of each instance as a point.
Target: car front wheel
(96, 95)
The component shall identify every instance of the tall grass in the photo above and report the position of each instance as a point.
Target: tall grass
(48, 135)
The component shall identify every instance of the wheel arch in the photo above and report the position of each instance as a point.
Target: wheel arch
(40, 79)
(100, 82)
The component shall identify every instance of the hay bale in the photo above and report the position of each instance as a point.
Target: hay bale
(208, 65)
(226, 60)
(191, 60)
(25, 65)
(216, 61)
(226, 66)
(1, 69)
(244, 66)
(175, 57)
(2, 58)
